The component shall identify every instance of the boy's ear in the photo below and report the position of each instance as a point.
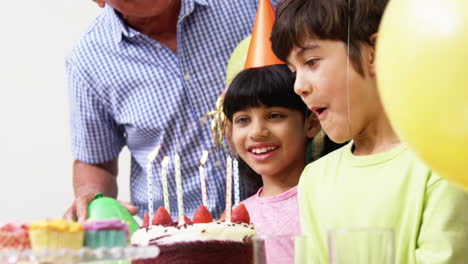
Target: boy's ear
(372, 59)
(313, 126)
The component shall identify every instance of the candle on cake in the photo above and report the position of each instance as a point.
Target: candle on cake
(235, 168)
(150, 178)
(164, 165)
(180, 197)
(202, 171)
(228, 188)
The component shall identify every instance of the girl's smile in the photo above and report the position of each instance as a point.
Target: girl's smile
(262, 152)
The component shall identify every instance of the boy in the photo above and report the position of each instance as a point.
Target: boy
(374, 181)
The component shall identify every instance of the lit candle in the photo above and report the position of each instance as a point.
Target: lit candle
(235, 168)
(202, 171)
(164, 164)
(228, 188)
(150, 178)
(180, 197)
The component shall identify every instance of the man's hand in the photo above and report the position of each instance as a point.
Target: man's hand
(79, 208)
(89, 179)
(100, 3)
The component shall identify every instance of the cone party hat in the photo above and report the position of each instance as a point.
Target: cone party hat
(260, 53)
(253, 52)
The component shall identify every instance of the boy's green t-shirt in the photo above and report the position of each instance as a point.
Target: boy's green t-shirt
(395, 190)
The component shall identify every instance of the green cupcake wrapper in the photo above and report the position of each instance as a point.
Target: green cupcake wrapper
(105, 238)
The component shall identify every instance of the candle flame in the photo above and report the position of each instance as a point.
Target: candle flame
(204, 158)
(165, 161)
(154, 153)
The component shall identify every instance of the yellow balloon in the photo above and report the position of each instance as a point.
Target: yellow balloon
(422, 73)
(237, 60)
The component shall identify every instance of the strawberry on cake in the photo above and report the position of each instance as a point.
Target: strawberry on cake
(201, 241)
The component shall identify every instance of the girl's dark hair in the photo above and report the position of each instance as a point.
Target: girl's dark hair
(297, 20)
(270, 86)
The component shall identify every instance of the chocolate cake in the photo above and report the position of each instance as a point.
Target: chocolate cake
(202, 241)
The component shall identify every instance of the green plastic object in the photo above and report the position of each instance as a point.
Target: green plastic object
(237, 60)
(106, 208)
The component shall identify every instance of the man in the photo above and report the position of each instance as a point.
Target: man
(144, 74)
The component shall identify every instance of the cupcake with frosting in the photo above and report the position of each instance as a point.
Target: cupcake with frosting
(56, 234)
(106, 233)
(14, 236)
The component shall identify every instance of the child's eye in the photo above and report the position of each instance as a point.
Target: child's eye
(311, 62)
(241, 120)
(276, 116)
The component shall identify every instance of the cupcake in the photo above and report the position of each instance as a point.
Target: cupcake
(56, 234)
(106, 233)
(13, 236)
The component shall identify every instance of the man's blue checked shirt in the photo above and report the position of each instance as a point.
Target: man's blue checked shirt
(128, 89)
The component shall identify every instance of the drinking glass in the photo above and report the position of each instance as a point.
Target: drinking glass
(361, 245)
(284, 250)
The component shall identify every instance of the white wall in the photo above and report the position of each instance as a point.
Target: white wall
(35, 158)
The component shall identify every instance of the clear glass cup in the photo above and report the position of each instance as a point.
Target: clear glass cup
(361, 245)
(284, 250)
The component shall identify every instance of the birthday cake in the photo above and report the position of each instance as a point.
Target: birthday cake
(201, 241)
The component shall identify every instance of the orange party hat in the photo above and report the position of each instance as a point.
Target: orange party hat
(260, 53)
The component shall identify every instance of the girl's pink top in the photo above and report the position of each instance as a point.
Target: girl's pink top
(276, 218)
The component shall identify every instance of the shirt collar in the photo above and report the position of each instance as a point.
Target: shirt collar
(119, 29)
(188, 6)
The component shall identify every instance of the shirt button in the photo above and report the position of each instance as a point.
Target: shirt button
(187, 77)
(218, 164)
(157, 45)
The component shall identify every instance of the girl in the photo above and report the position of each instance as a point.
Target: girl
(269, 127)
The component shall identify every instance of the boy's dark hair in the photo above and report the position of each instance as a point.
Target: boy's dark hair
(296, 20)
(270, 86)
